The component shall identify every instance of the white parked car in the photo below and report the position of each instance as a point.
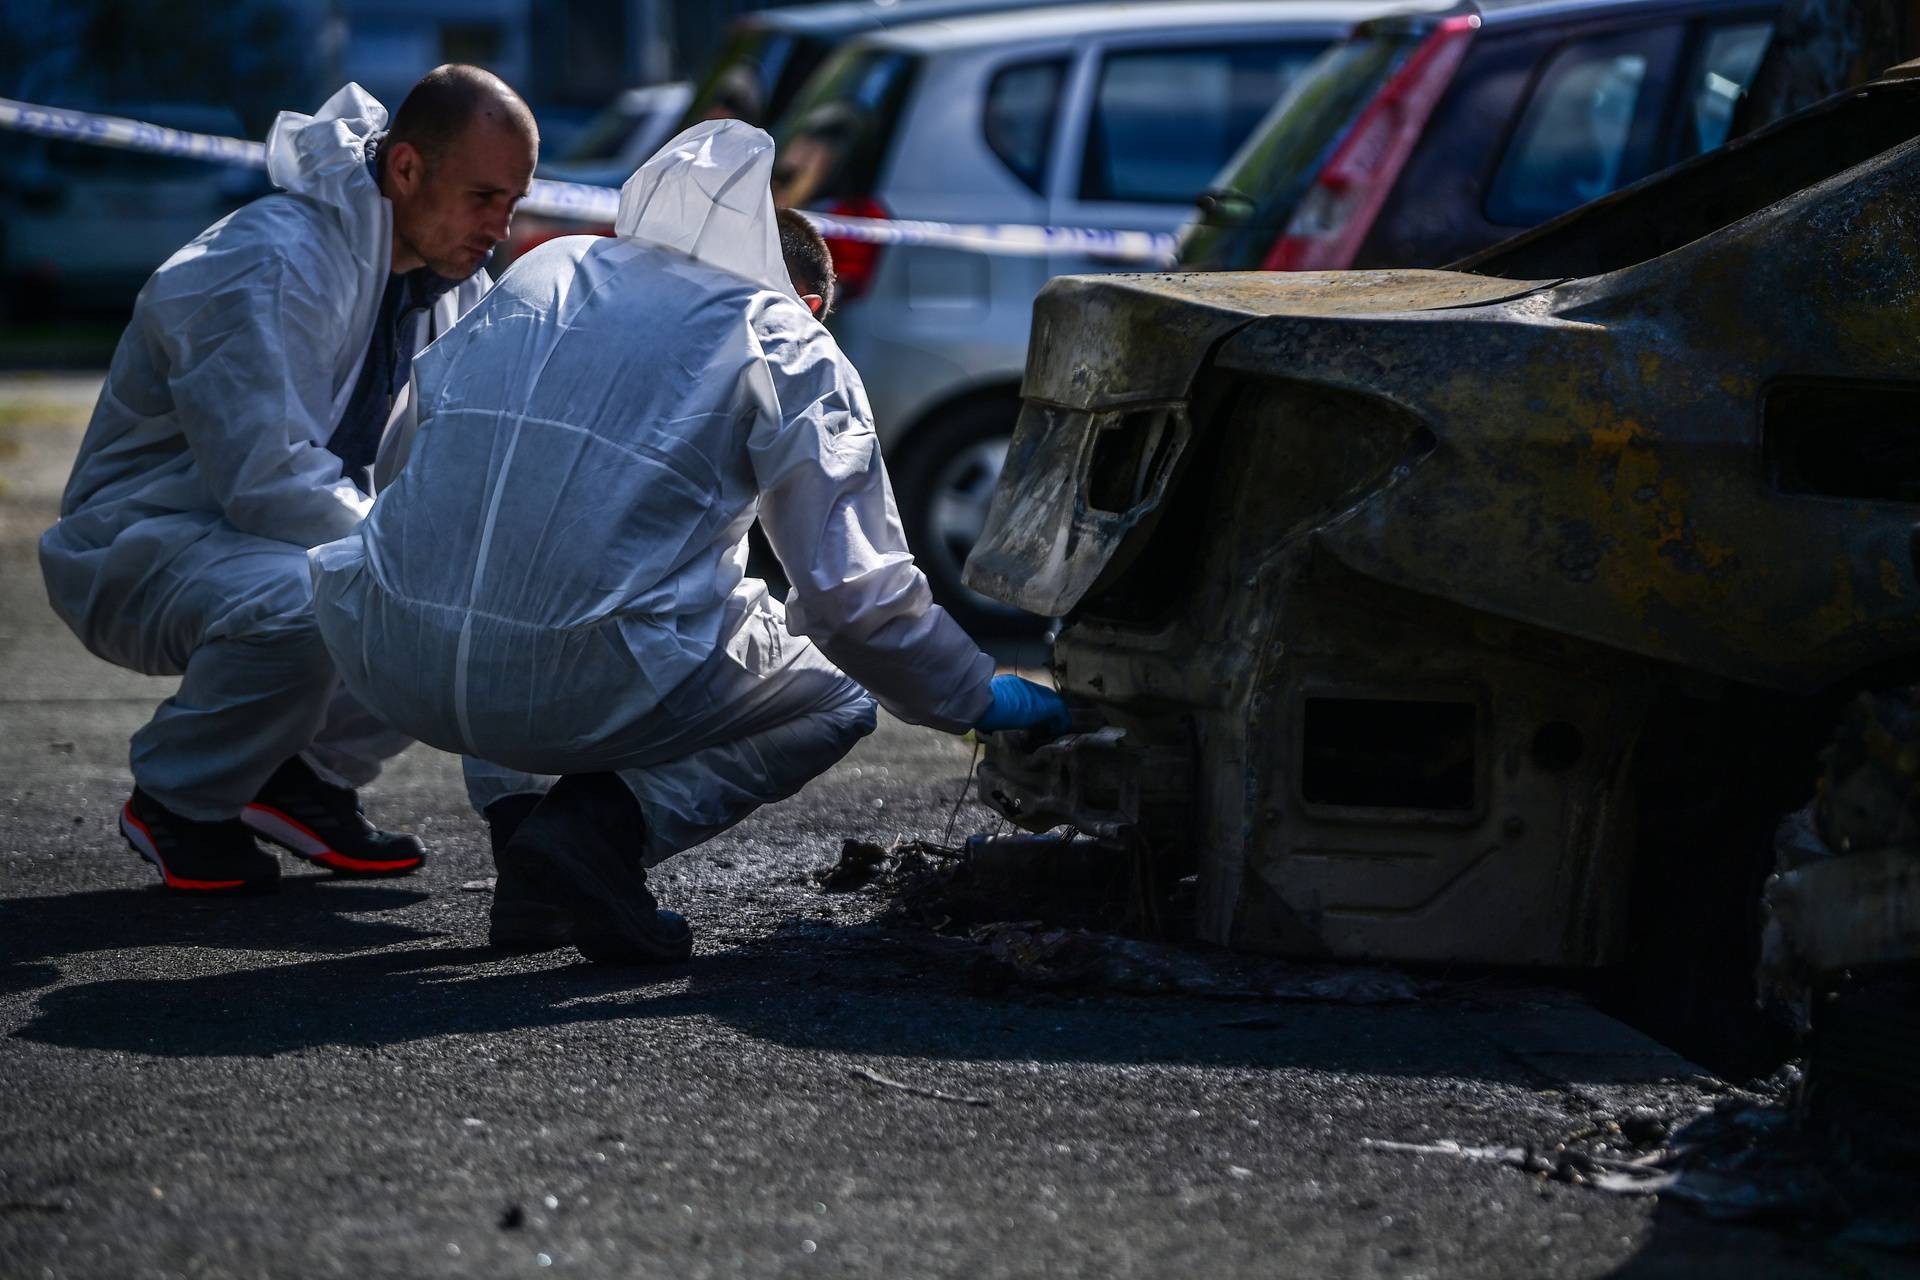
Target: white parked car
(1112, 117)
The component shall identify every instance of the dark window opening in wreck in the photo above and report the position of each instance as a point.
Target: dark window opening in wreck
(1127, 457)
(1380, 753)
(1834, 439)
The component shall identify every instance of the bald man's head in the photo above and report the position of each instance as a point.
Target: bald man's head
(448, 99)
(458, 158)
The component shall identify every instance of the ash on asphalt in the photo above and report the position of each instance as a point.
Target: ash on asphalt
(1047, 912)
(1052, 913)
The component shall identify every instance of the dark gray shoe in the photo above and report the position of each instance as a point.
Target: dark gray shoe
(520, 920)
(580, 849)
(323, 823)
(197, 857)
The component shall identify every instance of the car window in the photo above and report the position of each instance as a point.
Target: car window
(1728, 57)
(836, 137)
(1022, 103)
(605, 138)
(1577, 137)
(1254, 194)
(1164, 121)
(755, 77)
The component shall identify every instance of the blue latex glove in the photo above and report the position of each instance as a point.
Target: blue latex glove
(1022, 704)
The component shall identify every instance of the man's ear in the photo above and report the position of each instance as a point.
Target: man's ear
(813, 301)
(405, 168)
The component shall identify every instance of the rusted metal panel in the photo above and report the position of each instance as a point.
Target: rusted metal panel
(1411, 554)
(1134, 348)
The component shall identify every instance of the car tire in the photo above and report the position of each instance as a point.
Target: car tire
(943, 482)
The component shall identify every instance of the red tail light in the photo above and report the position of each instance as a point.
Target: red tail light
(854, 261)
(1339, 207)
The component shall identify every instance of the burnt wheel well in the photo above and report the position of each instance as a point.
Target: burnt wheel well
(1712, 777)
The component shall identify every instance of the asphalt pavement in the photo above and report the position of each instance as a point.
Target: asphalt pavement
(343, 1080)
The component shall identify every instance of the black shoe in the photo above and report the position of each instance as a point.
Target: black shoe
(520, 921)
(581, 848)
(323, 824)
(197, 857)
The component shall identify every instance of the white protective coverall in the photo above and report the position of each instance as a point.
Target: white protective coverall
(556, 582)
(204, 475)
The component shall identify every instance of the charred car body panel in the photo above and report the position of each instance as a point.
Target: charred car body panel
(1373, 577)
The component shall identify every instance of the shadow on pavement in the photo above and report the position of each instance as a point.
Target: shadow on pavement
(309, 914)
(378, 998)
(857, 995)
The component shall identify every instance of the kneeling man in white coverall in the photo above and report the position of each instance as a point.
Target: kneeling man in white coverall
(556, 583)
(254, 404)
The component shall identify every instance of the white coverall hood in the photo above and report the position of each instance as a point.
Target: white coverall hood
(324, 157)
(708, 194)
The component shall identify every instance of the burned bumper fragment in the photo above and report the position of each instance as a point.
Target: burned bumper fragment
(1854, 912)
(1397, 566)
(1099, 782)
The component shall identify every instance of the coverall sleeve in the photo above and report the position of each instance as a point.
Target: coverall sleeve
(830, 516)
(249, 360)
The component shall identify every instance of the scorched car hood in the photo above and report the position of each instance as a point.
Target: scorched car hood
(1704, 458)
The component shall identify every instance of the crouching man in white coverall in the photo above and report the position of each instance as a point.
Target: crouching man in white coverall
(253, 405)
(556, 585)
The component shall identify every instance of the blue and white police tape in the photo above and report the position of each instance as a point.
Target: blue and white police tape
(593, 204)
(133, 135)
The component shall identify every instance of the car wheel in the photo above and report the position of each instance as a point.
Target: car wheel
(944, 484)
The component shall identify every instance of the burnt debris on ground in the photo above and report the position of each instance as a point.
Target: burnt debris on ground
(1756, 1154)
(1066, 882)
(1056, 913)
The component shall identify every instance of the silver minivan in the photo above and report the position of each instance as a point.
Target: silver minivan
(1115, 117)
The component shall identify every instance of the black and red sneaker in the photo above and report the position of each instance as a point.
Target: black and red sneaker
(197, 857)
(322, 823)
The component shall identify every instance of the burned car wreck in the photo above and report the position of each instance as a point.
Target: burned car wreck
(1460, 615)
